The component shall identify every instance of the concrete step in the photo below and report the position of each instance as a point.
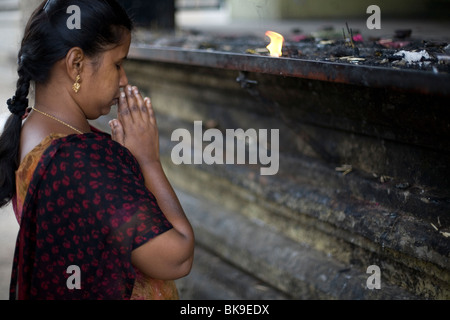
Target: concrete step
(353, 232)
(213, 278)
(299, 272)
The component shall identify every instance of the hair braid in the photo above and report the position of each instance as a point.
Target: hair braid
(10, 138)
(18, 104)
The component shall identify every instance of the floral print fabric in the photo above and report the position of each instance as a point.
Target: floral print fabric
(81, 201)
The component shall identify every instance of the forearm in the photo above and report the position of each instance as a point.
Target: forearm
(170, 255)
(157, 183)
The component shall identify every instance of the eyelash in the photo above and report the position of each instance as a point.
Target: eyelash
(120, 65)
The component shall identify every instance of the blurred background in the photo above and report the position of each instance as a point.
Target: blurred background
(247, 16)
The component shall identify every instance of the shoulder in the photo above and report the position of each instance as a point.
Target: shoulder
(95, 142)
(90, 150)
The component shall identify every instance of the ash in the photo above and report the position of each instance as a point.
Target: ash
(401, 51)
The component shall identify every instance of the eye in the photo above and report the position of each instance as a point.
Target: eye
(119, 65)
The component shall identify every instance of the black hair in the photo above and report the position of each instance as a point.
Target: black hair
(46, 40)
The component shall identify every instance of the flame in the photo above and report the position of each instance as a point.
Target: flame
(276, 43)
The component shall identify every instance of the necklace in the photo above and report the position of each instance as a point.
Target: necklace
(54, 118)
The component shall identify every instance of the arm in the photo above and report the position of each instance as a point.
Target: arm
(169, 255)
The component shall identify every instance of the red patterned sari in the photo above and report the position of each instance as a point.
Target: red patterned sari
(81, 201)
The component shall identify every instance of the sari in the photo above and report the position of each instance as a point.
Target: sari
(82, 205)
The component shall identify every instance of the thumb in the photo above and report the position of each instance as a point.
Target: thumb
(117, 132)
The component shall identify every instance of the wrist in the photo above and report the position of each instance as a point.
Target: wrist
(149, 164)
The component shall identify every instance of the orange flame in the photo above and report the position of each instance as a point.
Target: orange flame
(276, 43)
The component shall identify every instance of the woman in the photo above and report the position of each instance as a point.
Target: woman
(98, 217)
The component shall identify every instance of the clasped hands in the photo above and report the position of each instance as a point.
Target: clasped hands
(135, 127)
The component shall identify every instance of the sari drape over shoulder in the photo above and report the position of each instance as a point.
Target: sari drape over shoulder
(82, 205)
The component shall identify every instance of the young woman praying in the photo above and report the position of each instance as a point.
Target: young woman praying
(98, 217)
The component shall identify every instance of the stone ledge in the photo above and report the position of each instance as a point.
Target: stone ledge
(312, 189)
(355, 234)
(353, 220)
(296, 270)
(212, 278)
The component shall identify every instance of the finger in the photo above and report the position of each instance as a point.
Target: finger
(123, 111)
(151, 112)
(131, 100)
(142, 109)
(117, 132)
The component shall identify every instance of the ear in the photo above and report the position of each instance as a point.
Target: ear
(75, 60)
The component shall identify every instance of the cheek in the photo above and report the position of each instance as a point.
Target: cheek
(111, 81)
(106, 85)
(97, 95)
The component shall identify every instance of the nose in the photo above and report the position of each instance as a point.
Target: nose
(123, 81)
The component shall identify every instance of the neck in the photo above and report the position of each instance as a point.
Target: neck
(59, 104)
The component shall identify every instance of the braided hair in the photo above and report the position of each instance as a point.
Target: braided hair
(47, 40)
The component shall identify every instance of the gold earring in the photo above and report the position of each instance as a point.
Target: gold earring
(76, 86)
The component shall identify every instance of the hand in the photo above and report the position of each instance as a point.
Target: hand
(136, 127)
